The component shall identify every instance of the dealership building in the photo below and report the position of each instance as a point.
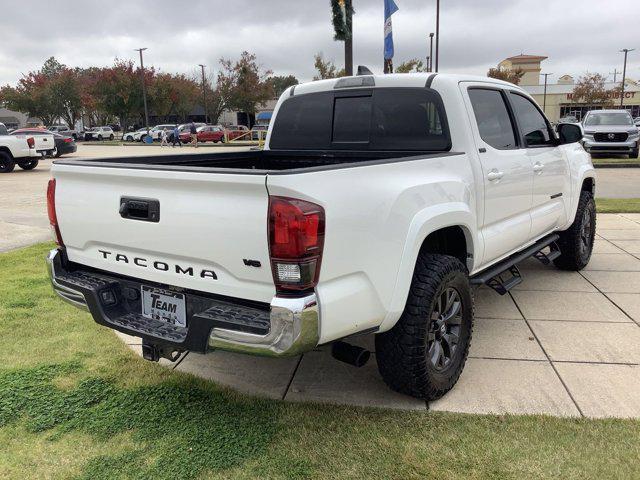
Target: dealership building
(559, 101)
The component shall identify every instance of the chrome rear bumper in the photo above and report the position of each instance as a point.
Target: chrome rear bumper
(294, 322)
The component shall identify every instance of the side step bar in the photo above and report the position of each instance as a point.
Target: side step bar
(493, 276)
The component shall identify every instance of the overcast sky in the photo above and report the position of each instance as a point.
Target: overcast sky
(576, 35)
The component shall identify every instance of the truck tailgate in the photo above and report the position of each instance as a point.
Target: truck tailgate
(209, 224)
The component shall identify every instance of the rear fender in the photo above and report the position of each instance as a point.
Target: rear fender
(423, 224)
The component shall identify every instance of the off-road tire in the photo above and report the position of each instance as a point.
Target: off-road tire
(7, 164)
(402, 352)
(28, 164)
(576, 243)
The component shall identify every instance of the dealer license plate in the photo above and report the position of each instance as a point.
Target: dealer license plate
(164, 305)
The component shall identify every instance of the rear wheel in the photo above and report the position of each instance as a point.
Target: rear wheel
(424, 353)
(576, 243)
(29, 164)
(7, 164)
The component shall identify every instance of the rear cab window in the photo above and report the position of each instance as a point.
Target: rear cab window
(383, 119)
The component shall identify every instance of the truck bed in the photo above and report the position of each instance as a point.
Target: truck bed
(258, 161)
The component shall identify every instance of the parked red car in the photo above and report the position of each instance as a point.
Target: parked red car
(208, 133)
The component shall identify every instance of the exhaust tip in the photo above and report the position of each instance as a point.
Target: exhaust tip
(351, 354)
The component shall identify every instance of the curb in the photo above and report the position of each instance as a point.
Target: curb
(617, 165)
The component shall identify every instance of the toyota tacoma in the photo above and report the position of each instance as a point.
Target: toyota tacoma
(378, 205)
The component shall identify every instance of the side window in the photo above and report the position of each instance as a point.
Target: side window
(532, 123)
(492, 118)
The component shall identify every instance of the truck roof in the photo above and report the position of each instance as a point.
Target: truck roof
(393, 80)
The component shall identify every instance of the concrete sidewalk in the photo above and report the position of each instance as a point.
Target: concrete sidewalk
(561, 343)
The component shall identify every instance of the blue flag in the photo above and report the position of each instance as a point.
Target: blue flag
(390, 8)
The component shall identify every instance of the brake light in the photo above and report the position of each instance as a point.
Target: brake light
(31, 142)
(68, 140)
(51, 211)
(296, 241)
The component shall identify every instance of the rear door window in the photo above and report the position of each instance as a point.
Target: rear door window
(533, 125)
(492, 117)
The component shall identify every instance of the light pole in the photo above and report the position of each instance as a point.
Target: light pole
(544, 96)
(624, 72)
(204, 94)
(430, 57)
(144, 88)
(437, 33)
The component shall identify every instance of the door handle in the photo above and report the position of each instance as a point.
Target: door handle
(494, 175)
(538, 168)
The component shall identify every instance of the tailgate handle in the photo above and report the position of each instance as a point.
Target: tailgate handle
(143, 209)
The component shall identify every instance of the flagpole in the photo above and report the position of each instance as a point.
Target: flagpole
(437, 33)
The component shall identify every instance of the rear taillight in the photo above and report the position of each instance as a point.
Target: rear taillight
(296, 239)
(68, 140)
(51, 211)
(31, 142)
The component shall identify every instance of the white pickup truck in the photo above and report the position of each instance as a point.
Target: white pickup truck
(19, 149)
(376, 206)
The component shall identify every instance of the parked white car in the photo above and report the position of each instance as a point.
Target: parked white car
(21, 150)
(156, 131)
(376, 206)
(100, 133)
(135, 136)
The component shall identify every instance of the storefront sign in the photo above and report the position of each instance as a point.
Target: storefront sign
(613, 95)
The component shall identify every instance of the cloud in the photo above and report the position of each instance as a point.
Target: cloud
(576, 35)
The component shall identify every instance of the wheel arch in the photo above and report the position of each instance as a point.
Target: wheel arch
(7, 151)
(446, 229)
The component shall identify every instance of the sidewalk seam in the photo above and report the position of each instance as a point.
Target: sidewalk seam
(548, 358)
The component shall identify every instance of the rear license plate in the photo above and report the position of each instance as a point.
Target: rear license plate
(164, 305)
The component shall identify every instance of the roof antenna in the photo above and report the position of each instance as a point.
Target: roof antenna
(362, 70)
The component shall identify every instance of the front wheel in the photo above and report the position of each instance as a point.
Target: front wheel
(424, 353)
(576, 243)
(111, 137)
(28, 165)
(634, 153)
(7, 164)
(99, 138)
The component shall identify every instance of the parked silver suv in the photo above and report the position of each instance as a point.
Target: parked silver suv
(610, 131)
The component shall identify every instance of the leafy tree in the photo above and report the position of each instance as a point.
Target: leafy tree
(590, 89)
(244, 85)
(118, 91)
(326, 68)
(508, 75)
(413, 65)
(280, 83)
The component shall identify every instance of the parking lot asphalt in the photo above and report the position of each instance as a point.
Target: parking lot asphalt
(618, 182)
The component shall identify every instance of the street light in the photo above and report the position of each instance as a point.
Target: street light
(204, 94)
(624, 72)
(544, 97)
(430, 57)
(144, 88)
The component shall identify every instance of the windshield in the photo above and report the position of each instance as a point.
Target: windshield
(612, 118)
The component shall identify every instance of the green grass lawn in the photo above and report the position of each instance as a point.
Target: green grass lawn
(77, 403)
(614, 160)
(618, 205)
